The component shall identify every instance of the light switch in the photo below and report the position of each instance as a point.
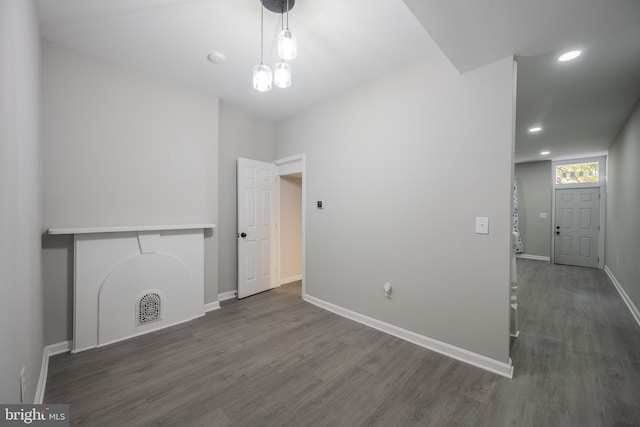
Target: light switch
(482, 225)
(543, 215)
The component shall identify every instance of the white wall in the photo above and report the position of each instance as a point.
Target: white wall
(404, 164)
(290, 228)
(241, 135)
(623, 208)
(122, 148)
(21, 293)
(535, 192)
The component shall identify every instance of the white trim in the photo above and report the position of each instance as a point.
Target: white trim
(478, 360)
(632, 307)
(227, 295)
(535, 257)
(211, 306)
(47, 352)
(291, 164)
(104, 344)
(124, 229)
(290, 279)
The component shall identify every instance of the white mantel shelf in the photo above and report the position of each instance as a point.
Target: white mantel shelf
(133, 228)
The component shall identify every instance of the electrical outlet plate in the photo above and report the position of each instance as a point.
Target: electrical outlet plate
(388, 289)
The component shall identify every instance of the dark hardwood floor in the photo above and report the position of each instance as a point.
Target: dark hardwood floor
(274, 360)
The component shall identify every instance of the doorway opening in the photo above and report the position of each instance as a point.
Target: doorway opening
(290, 230)
(271, 224)
(578, 208)
(291, 238)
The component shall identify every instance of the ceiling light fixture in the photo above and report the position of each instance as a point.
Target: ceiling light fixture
(287, 49)
(282, 75)
(545, 153)
(287, 43)
(262, 73)
(569, 56)
(535, 129)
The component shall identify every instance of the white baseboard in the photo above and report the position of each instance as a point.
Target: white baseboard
(211, 306)
(227, 295)
(632, 307)
(535, 257)
(290, 279)
(478, 360)
(48, 351)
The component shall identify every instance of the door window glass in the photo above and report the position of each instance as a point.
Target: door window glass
(577, 173)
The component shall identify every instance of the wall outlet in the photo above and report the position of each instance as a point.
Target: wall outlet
(387, 290)
(23, 384)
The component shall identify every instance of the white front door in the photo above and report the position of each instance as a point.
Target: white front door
(577, 226)
(257, 214)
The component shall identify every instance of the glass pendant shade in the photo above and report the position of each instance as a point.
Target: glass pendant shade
(262, 78)
(282, 75)
(287, 45)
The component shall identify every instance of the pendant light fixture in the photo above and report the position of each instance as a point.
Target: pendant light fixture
(287, 49)
(262, 73)
(287, 43)
(282, 75)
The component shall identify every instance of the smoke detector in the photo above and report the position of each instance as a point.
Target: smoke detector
(216, 57)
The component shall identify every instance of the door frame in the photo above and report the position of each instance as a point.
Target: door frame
(601, 184)
(287, 166)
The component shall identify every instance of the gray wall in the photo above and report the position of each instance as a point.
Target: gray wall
(241, 135)
(121, 148)
(535, 193)
(404, 164)
(21, 292)
(623, 208)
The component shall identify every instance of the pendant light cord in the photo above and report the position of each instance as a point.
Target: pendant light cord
(262, 33)
(287, 14)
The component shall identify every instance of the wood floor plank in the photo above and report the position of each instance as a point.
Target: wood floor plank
(274, 360)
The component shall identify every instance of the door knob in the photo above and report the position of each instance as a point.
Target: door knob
(558, 233)
(243, 235)
(558, 227)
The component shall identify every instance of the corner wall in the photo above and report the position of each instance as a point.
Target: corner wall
(404, 165)
(21, 292)
(241, 135)
(535, 193)
(121, 147)
(623, 207)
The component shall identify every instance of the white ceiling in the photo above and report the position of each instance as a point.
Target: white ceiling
(343, 43)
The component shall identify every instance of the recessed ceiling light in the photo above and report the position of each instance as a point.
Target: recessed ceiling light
(545, 153)
(535, 129)
(569, 56)
(216, 57)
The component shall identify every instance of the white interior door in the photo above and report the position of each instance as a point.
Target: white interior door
(577, 226)
(257, 213)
